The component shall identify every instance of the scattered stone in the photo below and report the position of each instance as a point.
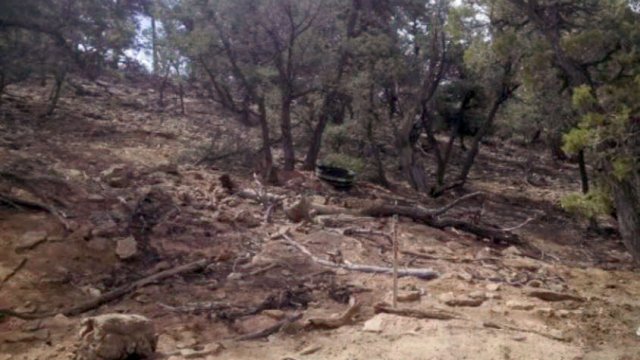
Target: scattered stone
(478, 295)
(638, 331)
(493, 287)
(409, 296)
(310, 350)
(234, 276)
(58, 321)
(107, 228)
(374, 324)
(511, 250)
(115, 337)
(522, 264)
(31, 325)
(99, 244)
(464, 301)
(535, 283)
(463, 275)
(30, 240)
(208, 350)
(547, 295)
(517, 305)
(126, 248)
(95, 197)
(484, 253)
(274, 314)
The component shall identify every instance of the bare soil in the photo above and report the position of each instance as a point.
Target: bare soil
(115, 166)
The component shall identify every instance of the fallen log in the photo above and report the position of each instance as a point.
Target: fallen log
(426, 274)
(436, 314)
(113, 294)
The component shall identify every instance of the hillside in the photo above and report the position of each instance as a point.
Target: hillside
(109, 172)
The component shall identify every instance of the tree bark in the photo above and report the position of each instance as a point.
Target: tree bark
(626, 195)
(584, 177)
(287, 138)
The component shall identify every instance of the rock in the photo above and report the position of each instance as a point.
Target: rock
(511, 250)
(374, 324)
(517, 305)
(99, 244)
(254, 323)
(638, 331)
(126, 248)
(95, 198)
(451, 300)
(493, 287)
(30, 240)
(409, 296)
(535, 283)
(522, 264)
(91, 291)
(310, 350)
(107, 228)
(274, 314)
(58, 321)
(547, 295)
(234, 276)
(484, 253)
(209, 349)
(478, 295)
(117, 176)
(116, 337)
(463, 275)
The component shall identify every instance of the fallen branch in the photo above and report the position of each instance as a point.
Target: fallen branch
(425, 274)
(435, 314)
(334, 322)
(270, 330)
(548, 295)
(114, 294)
(493, 325)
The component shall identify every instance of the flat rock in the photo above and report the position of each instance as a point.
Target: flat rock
(126, 248)
(493, 287)
(518, 305)
(374, 324)
(28, 336)
(115, 337)
(30, 240)
(522, 263)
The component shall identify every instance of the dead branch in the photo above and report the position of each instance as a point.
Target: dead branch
(494, 325)
(334, 322)
(436, 314)
(426, 274)
(270, 330)
(116, 293)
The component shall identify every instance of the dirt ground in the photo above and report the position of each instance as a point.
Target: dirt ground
(112, 167)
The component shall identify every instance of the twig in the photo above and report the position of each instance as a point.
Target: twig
(116, 293)
(270, 330)
(494, 325)
(426, 274)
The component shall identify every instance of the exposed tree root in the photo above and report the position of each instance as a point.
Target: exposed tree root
(334, 322)
(114, 294)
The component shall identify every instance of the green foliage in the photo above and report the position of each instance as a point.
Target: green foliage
(583, 98)
(594, 203)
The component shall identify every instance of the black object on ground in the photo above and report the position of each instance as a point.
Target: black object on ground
(339, 178)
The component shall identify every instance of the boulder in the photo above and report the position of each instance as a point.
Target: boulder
(116, 337)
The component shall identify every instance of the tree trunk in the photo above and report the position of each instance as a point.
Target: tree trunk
(154, 45)
(316, 143)
(583, 172)
(475, 146)
(287, 138)
(626, 195)
(181, 93)
(268, 172)
(55, 92)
